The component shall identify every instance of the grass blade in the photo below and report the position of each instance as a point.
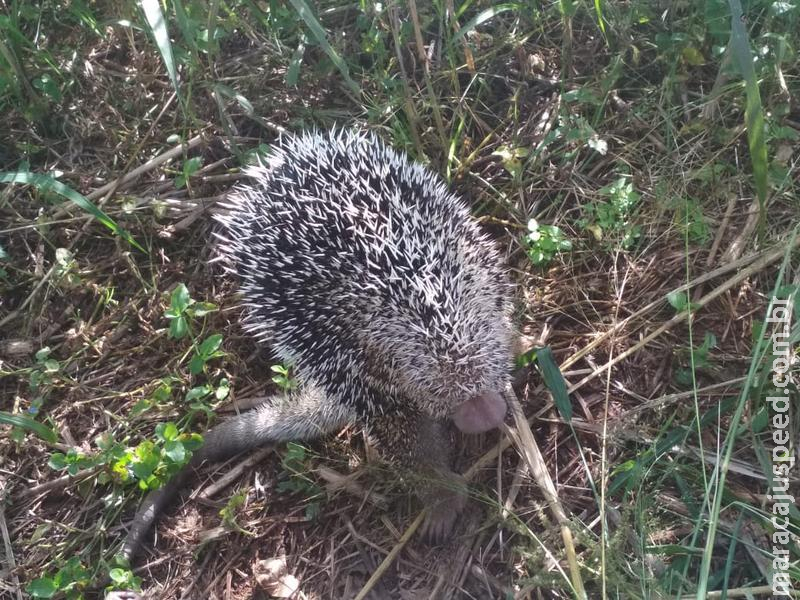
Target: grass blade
(598, 11)
(47, 183)
(158, 25)
(721, 470)
(302, 8)
(554, 381)
(482, 17)
(39, 429)
(753, 112)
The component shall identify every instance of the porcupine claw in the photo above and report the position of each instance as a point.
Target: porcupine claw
(445, 503)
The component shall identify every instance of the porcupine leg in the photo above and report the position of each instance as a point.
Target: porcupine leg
(422, 447)
(301, 415)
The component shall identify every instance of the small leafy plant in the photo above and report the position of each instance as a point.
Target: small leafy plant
(152, 463)
(123, 579)
(699, 359)
(190, 167)
(183, 309)
(512, 159)
(40, 378)
(283, 377)
(204, 352)
(44, 371)
(230, 511)
(611, 221)
(543, 242)
(69, 580)
(295, 479)
(74, 461)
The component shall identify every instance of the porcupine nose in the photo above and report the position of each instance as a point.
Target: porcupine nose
(480, 413)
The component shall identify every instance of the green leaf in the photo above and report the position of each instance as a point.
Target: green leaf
(223, 389)
(57, 461)
(246, 105)
(178, 328)
(198, 393)
(167, 431)
(44, 587)
(201, 309)
(554, 381)
(192, 165)
(196, 364)
(158, 25)
(293, 72)
(118, 575)
(47, 183)
(693, 56)
(175, 451)
(598, 11)
(28, 424)
(678, 300)
(48, 86)
(180, 299)
(211, 344)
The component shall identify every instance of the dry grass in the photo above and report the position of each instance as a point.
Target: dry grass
(104, 321)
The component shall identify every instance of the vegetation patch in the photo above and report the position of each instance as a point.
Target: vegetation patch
(637, 163)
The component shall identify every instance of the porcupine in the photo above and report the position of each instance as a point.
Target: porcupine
(359, 267)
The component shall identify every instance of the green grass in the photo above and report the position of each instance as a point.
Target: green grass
(618, 152)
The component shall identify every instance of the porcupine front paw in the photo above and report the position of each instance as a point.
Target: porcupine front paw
(445, 500)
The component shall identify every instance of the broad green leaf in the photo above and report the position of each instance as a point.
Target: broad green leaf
(175, 451)
(211, 344)
(196, 364)
(178, 328)
(167, 431)
(180, 299)
(44, 587)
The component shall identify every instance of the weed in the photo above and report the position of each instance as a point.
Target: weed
(691, 221)
(544, 242)
(150, 464)
(190, 167)
(70, 580)
(611, 221)
(229, 512)
(42, 374)
(183, 309)
(206, 350)
(510, 156)
(153, 462)
(294, 479)
(698, 360)
(122, 578)
(283, 378)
